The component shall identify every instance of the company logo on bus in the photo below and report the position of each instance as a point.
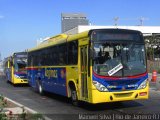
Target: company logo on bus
(51, 73)
(63, 73)
(111, 87)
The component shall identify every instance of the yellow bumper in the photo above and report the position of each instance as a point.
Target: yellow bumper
(20, 81)
(101, 97)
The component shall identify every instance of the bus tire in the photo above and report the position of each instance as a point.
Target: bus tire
(6, 78)
(40, 88)
(74, 98)
(7, 81)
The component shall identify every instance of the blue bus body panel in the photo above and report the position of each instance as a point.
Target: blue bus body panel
(31, 77)
(52, 79)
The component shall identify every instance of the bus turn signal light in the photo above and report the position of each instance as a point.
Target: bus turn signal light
(142, 93)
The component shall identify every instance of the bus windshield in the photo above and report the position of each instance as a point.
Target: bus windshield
(119, 59)
(20, 65)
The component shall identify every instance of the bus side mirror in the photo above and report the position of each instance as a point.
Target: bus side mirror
(11, 63)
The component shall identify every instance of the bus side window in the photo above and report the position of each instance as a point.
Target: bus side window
(55, 54)
(72, 52)
(62, 54)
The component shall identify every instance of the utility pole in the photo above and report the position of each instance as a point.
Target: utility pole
(116, 21)
(142, 19)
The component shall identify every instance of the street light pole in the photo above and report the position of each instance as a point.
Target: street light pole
(116, 21)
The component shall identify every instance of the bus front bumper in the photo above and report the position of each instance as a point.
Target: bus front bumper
(20, 81)
(101, 97)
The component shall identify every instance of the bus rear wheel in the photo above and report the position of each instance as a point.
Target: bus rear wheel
(40, 88)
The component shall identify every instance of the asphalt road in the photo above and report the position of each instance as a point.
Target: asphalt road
(58, 107)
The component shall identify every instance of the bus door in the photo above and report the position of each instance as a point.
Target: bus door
(10, 71)
(13, 71)
(84, 68)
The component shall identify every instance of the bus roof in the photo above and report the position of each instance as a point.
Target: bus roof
(62, 38)
(58, 39)
(20, 53)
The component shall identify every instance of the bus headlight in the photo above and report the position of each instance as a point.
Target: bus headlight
(99, 86)
(143, 84)
(16, 76)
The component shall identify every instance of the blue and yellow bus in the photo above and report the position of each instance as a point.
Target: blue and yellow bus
(96, 66)
(15, 68)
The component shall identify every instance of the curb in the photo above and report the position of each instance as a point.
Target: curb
(20, 105)
(26, 108)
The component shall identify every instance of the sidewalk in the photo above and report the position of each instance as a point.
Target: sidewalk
(12, 110)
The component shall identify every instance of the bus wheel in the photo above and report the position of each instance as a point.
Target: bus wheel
(40, 89)
(7, 81)
(74, 97)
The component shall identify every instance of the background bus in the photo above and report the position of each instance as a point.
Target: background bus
(15, 68)
(96, 66)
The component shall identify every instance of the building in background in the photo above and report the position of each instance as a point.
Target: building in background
(72, 20)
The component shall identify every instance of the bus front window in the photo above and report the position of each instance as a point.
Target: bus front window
(133, 59)
(117, 59)
(20, 65)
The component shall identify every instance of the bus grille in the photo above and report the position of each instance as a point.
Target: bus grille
(23, 77)
(118, 95)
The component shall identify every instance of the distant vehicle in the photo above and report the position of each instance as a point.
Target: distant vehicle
(15, 68)
(1, 68)
(96, 66)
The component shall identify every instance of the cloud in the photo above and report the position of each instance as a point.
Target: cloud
(1, 16)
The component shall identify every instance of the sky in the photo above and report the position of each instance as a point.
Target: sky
(23, 22)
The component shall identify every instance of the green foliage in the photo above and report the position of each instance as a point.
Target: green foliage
(3, 116)
(23, 116)
(3, 102)
(2, 105)
(1, 98)
(150, 53)
(36, 116)
(158, 71)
